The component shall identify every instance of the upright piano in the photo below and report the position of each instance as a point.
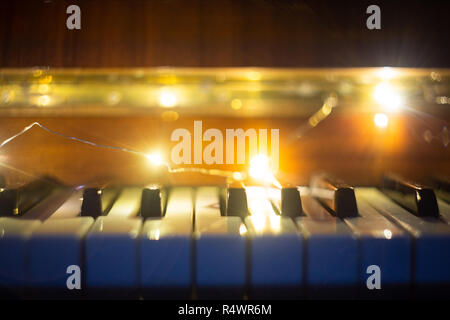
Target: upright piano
(245, 183)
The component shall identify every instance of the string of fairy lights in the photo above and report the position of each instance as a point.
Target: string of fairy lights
(259, 165)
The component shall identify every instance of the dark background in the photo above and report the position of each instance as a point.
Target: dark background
(199, 33)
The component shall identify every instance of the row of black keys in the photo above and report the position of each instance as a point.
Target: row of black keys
(335, 195)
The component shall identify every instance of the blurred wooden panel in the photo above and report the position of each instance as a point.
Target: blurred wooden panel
(347, 145)
(302, 33)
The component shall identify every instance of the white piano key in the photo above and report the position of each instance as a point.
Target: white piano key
(112, 256)
(444, 210)
(276, 249)
(127, 204)
(54, 246)
(385, 245)
(181, 206)
(166, 249)
(220, 248)
(313, 208)
(332, 253)
(14, 234)
(432, 243)
(47, 207)
(71, 208)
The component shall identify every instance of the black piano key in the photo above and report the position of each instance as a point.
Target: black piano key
(17, 201)
(418, 199)
(336, 195)
(237, 202)
(97, 202)
(9, 202)
(151, 203)
(92, 203)
(291, 203)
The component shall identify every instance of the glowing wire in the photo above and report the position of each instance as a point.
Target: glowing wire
(214, 172)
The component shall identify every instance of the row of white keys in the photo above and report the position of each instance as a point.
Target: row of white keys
(276, 248)
(220, 249)
(384, 245)
(57, 243)
(431, 259)
(332, 252)
(166, 248)
(110, 245)
(53, 246)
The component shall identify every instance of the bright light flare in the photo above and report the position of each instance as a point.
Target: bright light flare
(381, 120)
(242, 229)
(260, 169)
(387, 73)
(387, 97)
(167, 98)
(238, 176)
(155, 159)
(387, 234)
(43, 100)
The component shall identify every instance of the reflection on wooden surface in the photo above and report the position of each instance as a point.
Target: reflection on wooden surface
(349, 146)
(354, 123)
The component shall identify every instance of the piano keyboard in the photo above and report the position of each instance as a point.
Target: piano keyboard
(201, 242)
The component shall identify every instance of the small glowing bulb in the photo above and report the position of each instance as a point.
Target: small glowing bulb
(259, 168)
(387, 233)
(43, 100)
(381, 120)
(167, 98)
(386, 96)
(155, 159)
(237, 176)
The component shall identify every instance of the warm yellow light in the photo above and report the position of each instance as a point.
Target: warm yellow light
(381, 120)
(154, 234)
(275, 223)
(155, 159)
(167, 98)
(37, 73)
(114, 98)
(43, 100)
(387, 233)
(254, 76)
(387, 97)
(259, 168)
(236, 104)
(43, 88)
(387, 73)
(242, 230)
(237, 176)
(258, 222)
